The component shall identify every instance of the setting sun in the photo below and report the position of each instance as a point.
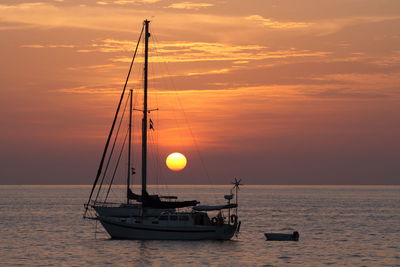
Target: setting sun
(176, 161)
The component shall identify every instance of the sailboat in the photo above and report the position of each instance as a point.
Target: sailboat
(154, 217)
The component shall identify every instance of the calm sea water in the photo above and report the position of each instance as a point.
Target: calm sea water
(338, 225)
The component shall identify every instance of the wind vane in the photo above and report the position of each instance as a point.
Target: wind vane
(236, 184)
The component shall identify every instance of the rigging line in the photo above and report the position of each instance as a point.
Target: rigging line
(116, 166)
(154, 157)
(154, 133)
(169, 98)
(160, 175)
(136, 121)
(161, 181)
(157, 141)
(158, 146)
(112, 150)
(133, 136)
(152, 154)
(181, 106)
(113, 124)
(155, 154)
(95, 230)
(188, 124)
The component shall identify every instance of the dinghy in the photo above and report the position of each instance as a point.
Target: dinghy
(282, 237)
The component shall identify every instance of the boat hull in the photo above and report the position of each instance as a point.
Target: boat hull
(120, 230)
(117, 211)
(282, 237)
(127, 210)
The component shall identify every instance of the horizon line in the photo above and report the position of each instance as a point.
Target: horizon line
(151, 185)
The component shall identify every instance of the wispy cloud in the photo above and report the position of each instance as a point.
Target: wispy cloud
(48, 46)
(89, 90)
(123, 2)
(97, 68)
(126, 2)
(33, 46)
(278, 24)
(319, 27)
(219, 71)
(203, 56)
(53, 15)
(202, 51)
(367, 81)
(389, 60)
(111, 46)
(340, 93)
(190, 5)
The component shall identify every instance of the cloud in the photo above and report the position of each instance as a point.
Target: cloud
(111, 46)
(33, 46)
(342, 93)
(102, 15)
(124, 2)
(278, 24)
(320, 27)
(107, 15)
(48, 46)
(189, 5)
(327, 27)
(205, 51)
(97, 68)
(89, 90)
(127, 2)
(219, 71)
(239, 56)
(365, 81)
(387, 61)
(53, 15)
(294, 91)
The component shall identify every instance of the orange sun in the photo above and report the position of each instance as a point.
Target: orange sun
(176, 161)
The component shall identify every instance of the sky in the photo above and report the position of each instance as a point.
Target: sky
(269, 91)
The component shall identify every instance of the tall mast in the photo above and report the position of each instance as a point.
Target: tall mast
(129, 147)
(145, 111)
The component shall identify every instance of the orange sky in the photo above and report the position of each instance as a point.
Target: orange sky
(274, 91)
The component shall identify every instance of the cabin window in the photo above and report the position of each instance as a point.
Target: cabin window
(184, 218)
(163, 218)
(173, 217)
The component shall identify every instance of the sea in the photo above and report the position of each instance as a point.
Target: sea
(338, 226)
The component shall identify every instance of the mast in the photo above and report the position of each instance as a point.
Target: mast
(129, 147)
(145, 111)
